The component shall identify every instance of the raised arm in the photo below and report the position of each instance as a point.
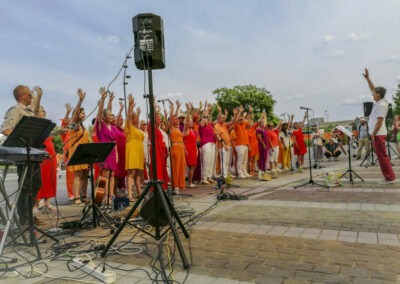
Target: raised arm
(75, 114)
(110, 100)
(204, 116)
(99, 117)
(370, 84)
(171, 115)
(290, 121)
(187, 118)
(38, 97)
(304, 120)
(121, 108)
(66, 116)
(178, 105)
(279, 126)
(130, 110)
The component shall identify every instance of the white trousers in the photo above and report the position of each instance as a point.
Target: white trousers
(225, 159)
(207, 160)
(242, 158)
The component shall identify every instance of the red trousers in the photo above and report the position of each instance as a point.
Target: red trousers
(383, 158)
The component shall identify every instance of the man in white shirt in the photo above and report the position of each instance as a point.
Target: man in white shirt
(377, 129)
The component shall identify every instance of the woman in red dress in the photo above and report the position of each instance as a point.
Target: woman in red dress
(190, 140)
(161, 153)
(49, 172)
(299, 145)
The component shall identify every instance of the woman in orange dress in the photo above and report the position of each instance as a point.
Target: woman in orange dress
(65, 138)
(178, 150)
(253, 146)
(78, 136)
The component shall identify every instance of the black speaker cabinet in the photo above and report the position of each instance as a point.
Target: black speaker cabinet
(148, 34)
(368, 108)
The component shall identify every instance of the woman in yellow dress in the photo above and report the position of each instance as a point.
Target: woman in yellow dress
(134, 156)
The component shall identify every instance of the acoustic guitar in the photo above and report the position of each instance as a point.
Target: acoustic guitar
(100, 189)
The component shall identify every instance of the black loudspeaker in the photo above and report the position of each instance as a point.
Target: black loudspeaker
(368, 108)
(390, 112)
(149, 209)
(149, 41)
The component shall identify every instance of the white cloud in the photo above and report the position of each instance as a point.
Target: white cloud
(337, 53)
(174, 95)
(294, 97)
(113, 38)
(398, 79)
(329, 38)
(393, 58)
(356, 37)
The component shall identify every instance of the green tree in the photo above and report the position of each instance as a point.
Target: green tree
(396, 101)
(248, 95)
(57, 142)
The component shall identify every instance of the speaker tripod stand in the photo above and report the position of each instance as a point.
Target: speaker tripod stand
(158, 195)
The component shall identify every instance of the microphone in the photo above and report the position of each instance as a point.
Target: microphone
(306, 108)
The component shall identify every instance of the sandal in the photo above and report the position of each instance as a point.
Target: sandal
(84, 198)
(51, 208)
(77, 202)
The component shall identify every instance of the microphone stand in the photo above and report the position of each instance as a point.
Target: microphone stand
(310, 181)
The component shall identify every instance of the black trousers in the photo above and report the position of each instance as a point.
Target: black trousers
(335, 155)
(23, 205)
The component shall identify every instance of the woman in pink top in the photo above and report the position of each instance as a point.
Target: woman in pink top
(107, 133)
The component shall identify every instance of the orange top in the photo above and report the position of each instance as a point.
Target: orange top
(223, 131)
(176, 136)
(253, 142)
(241, 134)
(196, 129)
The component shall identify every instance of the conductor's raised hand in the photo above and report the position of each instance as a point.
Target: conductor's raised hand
(366, 73)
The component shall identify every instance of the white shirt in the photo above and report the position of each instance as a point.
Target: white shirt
(380, 109)
(14, 115)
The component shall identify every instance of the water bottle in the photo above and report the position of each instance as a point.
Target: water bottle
(228, 179)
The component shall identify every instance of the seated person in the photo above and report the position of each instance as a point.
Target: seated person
(332, 150)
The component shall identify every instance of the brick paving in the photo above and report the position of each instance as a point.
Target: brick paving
(349, 234)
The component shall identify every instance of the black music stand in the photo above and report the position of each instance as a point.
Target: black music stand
(30, 132)
(91, 153)
(350, 171)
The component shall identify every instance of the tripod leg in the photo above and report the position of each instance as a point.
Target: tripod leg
(178, 219)
(171, 225)
(96, 208)
(81, 220)
(358, 176)
(121, 227)
(46, 234)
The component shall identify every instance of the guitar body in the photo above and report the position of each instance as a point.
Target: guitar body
(99, 190)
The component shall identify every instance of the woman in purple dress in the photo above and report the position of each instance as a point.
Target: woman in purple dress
(263, 147)
(106, 132)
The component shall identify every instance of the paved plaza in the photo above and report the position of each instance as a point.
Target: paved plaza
(345, 234)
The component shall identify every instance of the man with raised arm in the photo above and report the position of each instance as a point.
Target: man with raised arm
(24, 97)
(377, 129)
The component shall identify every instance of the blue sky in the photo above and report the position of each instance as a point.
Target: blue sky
(307, 53)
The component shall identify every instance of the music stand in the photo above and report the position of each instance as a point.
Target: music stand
(349, 171)
(30, 132)
(90, 154)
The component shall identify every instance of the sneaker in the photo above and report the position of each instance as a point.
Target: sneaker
(286, 169)
(211, 181)
(279, 170)
(335, 159)
(268, 172)
(386, 181)
(242, 176)
(204, 181)
(41, 204)
(248, 175)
